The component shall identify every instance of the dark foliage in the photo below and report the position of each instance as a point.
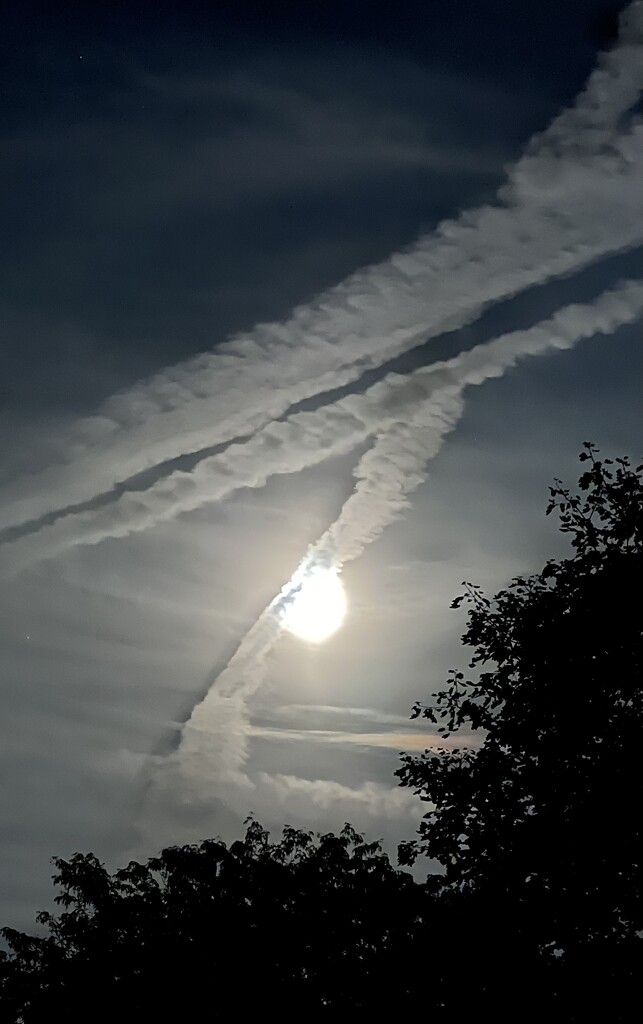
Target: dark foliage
(537, 825)
(541, 823)
(319, 923)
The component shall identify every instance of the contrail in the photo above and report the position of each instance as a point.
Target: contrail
(569, 201)
(213, 742)
(397, 463)
(400, 409)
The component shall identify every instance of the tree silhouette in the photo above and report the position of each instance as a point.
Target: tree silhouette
(312, 922)
(540, 825)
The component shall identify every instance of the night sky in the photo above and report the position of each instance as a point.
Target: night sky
(286, 288)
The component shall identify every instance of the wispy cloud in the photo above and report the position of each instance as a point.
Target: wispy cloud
(297, 712)
(297, 794)
(567, 202)
(181, 793)
(389, 740)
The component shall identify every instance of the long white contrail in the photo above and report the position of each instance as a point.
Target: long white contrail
(395, 409)
(213, 740)
(571, 199)
(396, 464)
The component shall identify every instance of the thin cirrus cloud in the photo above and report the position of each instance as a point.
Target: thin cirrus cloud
(387, 740)
(306, 140)
(567, 202)
(296, 712)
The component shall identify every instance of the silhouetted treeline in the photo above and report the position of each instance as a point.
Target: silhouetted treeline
(537, 826)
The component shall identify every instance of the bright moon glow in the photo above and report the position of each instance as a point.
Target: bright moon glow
(318, 608)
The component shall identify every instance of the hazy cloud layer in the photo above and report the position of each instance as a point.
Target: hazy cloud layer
(214, 741)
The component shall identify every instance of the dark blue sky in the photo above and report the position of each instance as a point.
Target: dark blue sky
(174, 173)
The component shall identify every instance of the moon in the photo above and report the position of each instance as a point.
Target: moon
(318, 608)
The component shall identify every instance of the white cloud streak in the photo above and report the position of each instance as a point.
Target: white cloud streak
(397, 463)
(390, 740)
(567, 202)
(297, 712)
(299, 794)
(410, 414)
(276, 797)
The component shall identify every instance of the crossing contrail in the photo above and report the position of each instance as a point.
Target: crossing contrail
(570, 200)
(401, 409)
(213, 742)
